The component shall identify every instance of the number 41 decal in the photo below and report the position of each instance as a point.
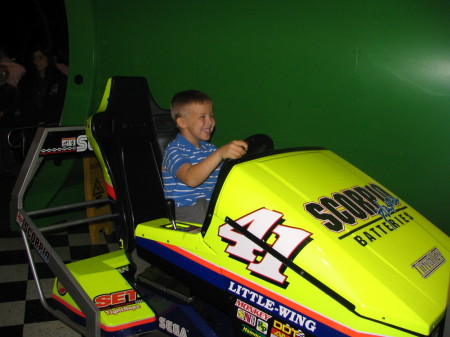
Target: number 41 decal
(264, 224)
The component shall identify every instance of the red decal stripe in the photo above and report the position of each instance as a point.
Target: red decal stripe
(110, 191)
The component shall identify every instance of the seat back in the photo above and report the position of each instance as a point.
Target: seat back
(165, 129)
(130, 144)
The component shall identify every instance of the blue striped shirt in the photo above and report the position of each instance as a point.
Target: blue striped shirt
(178, 152)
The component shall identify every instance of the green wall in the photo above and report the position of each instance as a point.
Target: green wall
(368, 79)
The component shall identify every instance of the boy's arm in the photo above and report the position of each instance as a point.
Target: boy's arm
(194, 175)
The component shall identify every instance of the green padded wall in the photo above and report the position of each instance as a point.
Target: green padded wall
(367, 79)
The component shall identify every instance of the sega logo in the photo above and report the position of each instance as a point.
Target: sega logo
(172, 328)
(83, 144)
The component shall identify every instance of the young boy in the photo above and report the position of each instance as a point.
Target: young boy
(191, 164)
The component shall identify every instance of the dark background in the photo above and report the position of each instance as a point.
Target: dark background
(27, 23)
(23, 25)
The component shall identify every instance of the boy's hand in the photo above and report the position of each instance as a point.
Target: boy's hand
(194, 175)
(233, 150)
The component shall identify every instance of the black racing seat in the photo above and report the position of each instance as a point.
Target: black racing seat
(131, 135)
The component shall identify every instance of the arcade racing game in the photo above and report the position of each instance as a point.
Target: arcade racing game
(297, 242)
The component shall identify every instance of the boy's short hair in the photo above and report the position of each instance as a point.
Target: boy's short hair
(184, 98)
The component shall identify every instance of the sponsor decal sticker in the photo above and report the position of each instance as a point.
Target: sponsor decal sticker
(253, 316)
(352, 205)
(262, 326)
(292, 317)
(69, 142)
(116, 299)
(119, 310)
(284, 330)
(246, 317)
(255, 311)
(429, 263)
(250, 331)
(379, 212)
(33, 238)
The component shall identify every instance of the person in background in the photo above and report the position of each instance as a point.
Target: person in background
(42, 90)
(16, 70)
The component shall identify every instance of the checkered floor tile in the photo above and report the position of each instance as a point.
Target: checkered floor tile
(22, 311)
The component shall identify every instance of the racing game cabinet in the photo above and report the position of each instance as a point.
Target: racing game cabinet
(183, 279)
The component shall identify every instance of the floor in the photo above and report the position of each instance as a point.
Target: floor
(22, 312)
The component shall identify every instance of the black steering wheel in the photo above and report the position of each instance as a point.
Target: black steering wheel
(258, 144)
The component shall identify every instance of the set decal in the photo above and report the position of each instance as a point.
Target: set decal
(172, 328)
(115, 299)
(429, 263)
(265, 225)
(125, 329)
(32, 237)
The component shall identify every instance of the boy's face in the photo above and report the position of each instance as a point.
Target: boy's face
(197, 122)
